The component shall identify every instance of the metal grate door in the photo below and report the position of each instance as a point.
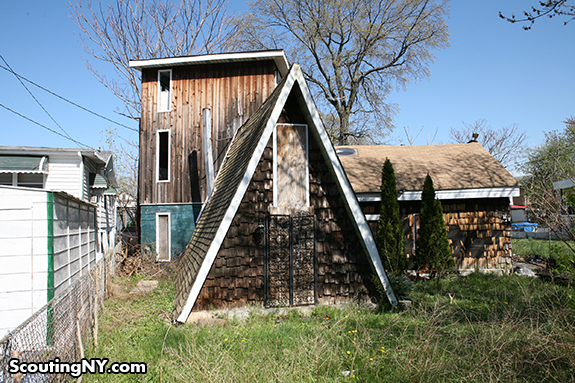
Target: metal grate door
(291, 260)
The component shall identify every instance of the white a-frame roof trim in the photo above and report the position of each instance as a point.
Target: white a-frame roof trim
(294, 75)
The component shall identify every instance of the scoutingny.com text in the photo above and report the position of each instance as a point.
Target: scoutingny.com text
(75, 369)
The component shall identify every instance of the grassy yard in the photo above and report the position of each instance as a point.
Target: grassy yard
(563, 253)
(481, 328)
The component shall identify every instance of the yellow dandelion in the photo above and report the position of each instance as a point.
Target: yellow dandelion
(243, 340)
(348, 352)
(225, 340)
(560, 329)
(209, 331)
(370, 358)
(354, 331)
(349, 332)
(506, 303)
(353, 376)
(358, 311)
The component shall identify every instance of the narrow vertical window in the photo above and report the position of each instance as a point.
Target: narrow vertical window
(163, 155)
(164, 90)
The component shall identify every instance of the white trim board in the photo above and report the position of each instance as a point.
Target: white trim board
(158, 155)
(169, 215)
(160, 102)
(278, 56)
(501, 192)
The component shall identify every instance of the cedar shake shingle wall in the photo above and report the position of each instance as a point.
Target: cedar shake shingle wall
(233, 92)
(344, 272)
(478, 234)
(237, 275)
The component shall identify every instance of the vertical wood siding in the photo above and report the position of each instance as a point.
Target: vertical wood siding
(232, 91)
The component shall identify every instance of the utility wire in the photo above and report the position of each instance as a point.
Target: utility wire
(47, 128)
(35, 99)
(68, 101)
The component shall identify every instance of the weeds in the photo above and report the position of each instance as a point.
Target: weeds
(479, 328)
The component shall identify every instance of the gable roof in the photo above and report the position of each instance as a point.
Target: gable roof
(233, 179)
(451, 166)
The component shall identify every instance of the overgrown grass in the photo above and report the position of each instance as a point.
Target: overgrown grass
(563, 253)
(479, 328)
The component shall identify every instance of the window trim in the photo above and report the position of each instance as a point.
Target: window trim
(169, 106)
(169, 215)
(275, 162)
(158, 180)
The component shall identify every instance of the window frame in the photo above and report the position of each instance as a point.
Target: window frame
(169, 215)
(161, 107)
(158, 133)
(275, 162)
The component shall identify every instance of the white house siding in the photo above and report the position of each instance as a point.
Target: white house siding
(23, 255)
(65, 173)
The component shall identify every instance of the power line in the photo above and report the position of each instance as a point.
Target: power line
(35, 99)
(47, 128)
(68, 101)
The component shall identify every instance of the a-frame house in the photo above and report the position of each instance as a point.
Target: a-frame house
(282, 226)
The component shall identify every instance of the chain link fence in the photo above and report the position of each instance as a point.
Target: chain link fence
(61, 327)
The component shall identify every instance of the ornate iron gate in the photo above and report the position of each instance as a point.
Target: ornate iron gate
(291, 260)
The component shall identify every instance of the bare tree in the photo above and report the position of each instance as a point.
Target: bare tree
(552, 161)
(353, 52)
(504, 143)
(140, 29)
(547, 8)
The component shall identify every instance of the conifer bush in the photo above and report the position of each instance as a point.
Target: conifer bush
(389, 238)
(433, 250)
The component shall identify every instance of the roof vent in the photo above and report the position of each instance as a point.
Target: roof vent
(346, 152)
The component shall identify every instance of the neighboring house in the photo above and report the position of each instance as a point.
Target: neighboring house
(86, 174)
(474, 189)
(281, 225)
(50, 232)
(191, 108)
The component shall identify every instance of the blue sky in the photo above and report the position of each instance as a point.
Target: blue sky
(494, 70)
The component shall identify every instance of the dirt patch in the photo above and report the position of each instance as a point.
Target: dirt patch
(144, 287)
